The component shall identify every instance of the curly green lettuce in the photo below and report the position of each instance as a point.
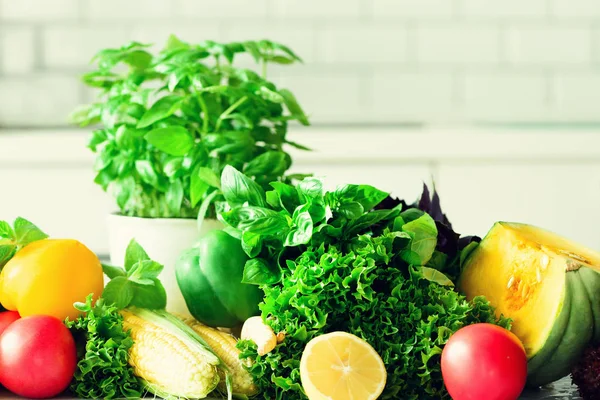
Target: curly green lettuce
(368, 291)
(103, 371)
(353, 260)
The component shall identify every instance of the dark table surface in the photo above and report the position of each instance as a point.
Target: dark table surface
(559, 390)
(562, 390)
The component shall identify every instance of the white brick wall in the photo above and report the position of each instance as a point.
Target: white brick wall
(367, 44)
(401, 9)
(505, 96)
(218, 9)
(384, 61)
(549, 45)
(327, 10)
(39, 10)
(71, 47)
(393, 95)
(115, 10)
(37, 100)
(457, 44)
(575, 8)
(17, 52)
(333, 93)
(504, 8)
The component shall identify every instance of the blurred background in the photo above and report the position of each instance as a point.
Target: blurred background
(495, 101)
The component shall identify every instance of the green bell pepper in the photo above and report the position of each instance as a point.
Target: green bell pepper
(210, 279)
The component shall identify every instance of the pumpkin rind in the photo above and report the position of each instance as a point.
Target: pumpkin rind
(571, 333)
(575, 323)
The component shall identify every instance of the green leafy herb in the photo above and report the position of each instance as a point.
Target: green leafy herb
(238, 189)
(103, 371)
(423, 233)
(13, 238)
(331, 261)
(174, 140)
(174, 119)
(137, 284)
(407, 319)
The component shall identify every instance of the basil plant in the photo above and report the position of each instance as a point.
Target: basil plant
(170, 122)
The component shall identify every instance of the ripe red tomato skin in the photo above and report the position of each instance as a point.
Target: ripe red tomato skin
(38, 357)
(484, 362)
(7, 318)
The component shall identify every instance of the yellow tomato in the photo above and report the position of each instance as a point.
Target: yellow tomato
(48, 276)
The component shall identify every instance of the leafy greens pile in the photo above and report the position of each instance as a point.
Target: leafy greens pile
(173, 120)
(354, 260)
(103, 371)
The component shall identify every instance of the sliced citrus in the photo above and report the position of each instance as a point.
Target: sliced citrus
(341, 366)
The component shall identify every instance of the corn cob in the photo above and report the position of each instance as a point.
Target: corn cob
(170, 362)
(224, 345)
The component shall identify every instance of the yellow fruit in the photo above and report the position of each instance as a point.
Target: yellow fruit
(46, 277)
(341, 366)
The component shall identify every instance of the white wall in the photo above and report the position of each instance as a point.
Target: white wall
(548, 178)
(367, 61)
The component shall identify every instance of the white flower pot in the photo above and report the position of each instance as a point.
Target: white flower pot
(164, 239)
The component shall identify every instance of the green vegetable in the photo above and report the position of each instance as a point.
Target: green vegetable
(210, 279)
(13, 238)
(407, 319)
(173, 120)
(331, 261)
(103, 371)
(137, 284)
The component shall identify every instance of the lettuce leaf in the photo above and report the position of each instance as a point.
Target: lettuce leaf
(368, 292)
(353, 260)
(103, 371)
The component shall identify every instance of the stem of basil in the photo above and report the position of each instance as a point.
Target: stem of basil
(204, 208)
(231, 108)
(204, 112)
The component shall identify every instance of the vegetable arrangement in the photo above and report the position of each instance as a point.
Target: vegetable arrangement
(345, 294)
(356, 300)
(173, 120)
(335, 261)
(122, 343)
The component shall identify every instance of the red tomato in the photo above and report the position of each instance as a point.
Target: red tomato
(7, 318)
(37, 357)
(484, 362)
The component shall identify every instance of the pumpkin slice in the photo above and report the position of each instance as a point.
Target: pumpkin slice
(548, 285)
